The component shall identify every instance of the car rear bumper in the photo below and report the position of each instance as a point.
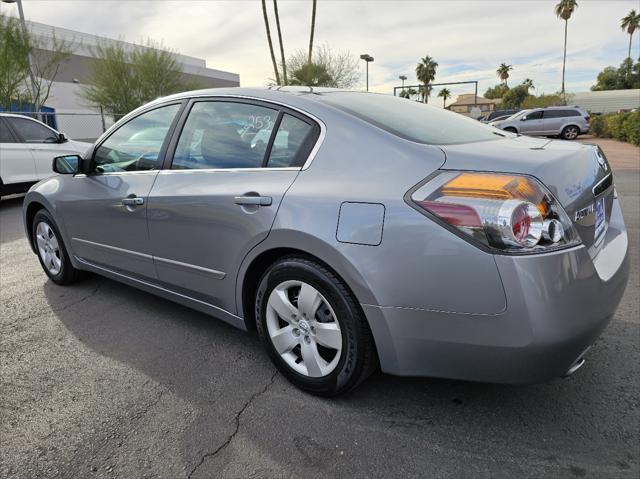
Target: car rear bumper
(557, 305)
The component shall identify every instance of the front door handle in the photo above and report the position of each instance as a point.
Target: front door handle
(253, 200)
(135, 201)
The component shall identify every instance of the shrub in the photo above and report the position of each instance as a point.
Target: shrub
(621, 126)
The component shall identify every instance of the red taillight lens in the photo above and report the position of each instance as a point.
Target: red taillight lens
(456, 215)
(588, 118)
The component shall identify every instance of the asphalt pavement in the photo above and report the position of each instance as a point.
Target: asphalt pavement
(102, 380)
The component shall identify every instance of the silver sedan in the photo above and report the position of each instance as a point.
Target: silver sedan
(353, 231)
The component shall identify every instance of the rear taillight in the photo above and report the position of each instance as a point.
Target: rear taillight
(588, 118)
(510, 213)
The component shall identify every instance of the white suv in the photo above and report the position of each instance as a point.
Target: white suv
(27, 149)
(563, 121)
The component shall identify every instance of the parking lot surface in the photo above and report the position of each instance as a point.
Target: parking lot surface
(101, 380)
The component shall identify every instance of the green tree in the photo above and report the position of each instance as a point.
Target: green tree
(124, 79)
(630, 23)
(564, 9)
(624, 78)
(408, 93)
(528, 82)
(426, 73)
(328, 69)
(542, 101)
(445, 94)
(497, 91)
(273, 55)
(14, 61)
(21, 80)
(503, 72)
(515, 97)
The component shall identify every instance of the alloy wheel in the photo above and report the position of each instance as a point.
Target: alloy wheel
(48, 248)
(304, 329)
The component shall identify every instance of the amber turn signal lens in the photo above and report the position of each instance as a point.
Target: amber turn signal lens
(497, 187)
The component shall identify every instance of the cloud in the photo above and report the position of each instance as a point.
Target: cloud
(469, 39)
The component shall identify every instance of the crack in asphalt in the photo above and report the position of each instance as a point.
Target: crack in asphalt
(237, 425)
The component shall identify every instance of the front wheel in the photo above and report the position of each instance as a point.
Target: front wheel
(312, 327)
(511, 129)
(52, 253)
(570, 132)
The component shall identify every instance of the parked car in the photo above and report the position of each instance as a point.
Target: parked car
(566, 122)
(27, 149)
(497, 115)
(382, 233)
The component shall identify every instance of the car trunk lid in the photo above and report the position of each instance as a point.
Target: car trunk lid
(577, 174)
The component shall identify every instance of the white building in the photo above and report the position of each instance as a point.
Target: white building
(607, 101)
(81, 121)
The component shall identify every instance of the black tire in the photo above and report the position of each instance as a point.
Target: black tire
(358, 357)
(67, 274)
(570, 132)
(510, 129)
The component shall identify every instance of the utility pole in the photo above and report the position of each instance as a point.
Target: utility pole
(367, 58)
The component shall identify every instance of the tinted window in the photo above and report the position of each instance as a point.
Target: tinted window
(5, 135)
(289, 141)
(136, 145)
(33, 132)
(224, 135)
(412, 120)
(535, 115)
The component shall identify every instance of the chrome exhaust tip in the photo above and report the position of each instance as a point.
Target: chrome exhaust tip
(574, 367)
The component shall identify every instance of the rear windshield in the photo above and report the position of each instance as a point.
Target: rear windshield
(412, 120)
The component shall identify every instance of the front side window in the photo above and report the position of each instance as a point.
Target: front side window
(535, 115)
(33, 132)
(136, 145)
(221, 134)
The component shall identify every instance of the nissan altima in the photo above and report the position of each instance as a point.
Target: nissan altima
(353, 231)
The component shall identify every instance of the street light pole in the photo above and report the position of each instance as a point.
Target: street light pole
(367, 58)
(29, 58)
(403, 78)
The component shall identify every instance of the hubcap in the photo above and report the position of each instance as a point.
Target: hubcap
(304, 329)
(48, 248)
(571, 133)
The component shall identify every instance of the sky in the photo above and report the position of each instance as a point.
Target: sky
(468, 39)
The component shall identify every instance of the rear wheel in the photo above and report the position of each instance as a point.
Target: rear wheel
(312, 328)
(570, 132)
(52, 253)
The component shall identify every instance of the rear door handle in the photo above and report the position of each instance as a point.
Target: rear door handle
(253, 200)
(135, 201)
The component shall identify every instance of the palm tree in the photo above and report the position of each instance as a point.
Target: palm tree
(528, 83)
(630, 23)
(564, 10)
(445, 94)
(273, 56)
(313, 28)
(426, 73)
(284, 63)
(503, 72)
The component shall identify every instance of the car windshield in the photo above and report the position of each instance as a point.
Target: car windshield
(412, 120)
(518, 115)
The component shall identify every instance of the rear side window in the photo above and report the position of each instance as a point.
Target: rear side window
(289, 142)
(33, 132)
(221, 134)
(560, 113)
(5, 135)
(136, 145)
(412, 120)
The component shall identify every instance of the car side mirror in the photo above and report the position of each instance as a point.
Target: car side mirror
(62, 138)
(67, 164)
